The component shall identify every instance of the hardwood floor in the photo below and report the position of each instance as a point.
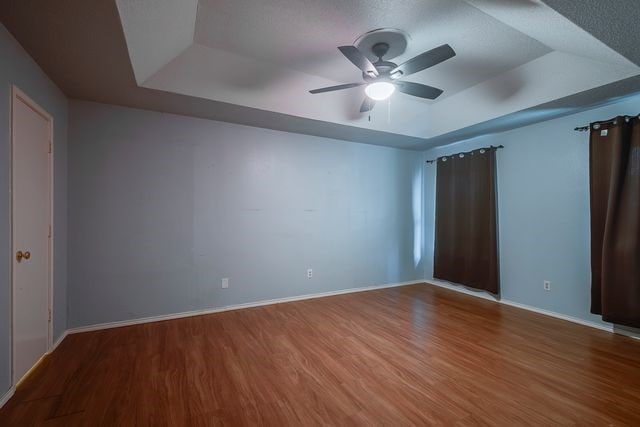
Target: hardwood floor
(415, 355)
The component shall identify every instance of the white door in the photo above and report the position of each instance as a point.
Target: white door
(31, 196)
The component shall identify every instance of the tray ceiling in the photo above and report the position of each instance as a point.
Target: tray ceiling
(511, 55)
(252, 63)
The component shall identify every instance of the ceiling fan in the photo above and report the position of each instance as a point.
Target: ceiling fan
(382, 77)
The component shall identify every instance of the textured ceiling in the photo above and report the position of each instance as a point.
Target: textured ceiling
(303, 36)
(164, 28)
(568, 105)
(511, 56)
(81, 46)
(614, 22)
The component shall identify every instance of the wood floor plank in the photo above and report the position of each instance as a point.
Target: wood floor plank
(412, 355)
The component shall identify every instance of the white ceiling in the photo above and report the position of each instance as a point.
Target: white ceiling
(314, 29)
(511, 55)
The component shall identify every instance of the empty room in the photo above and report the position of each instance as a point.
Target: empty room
(299, 213)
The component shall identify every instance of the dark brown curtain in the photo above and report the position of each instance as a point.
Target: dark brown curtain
(466, 249)
(614, 159)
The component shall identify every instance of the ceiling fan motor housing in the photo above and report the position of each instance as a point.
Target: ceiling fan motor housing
(380, 49)
(384, 71)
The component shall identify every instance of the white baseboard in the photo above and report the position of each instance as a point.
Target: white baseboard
(462, 289)
(163, 317)
(484, 295)
(434, 282)
(58, 341)
(603, 327)
(439, 283)
(627, 331)
(5, 397)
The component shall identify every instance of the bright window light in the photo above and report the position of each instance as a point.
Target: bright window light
(379, 91)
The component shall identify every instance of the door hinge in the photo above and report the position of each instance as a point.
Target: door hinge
(49, 315)
(50, 147)
(49, 232)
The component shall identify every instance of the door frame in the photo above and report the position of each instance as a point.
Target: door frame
(18, 95)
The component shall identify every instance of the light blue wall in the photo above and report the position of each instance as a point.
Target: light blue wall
(162, 207)
(543, 202)
(17, 68)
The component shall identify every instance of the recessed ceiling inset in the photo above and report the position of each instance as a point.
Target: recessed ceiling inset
(268, 55)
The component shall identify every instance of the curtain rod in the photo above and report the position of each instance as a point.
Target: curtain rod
(497, 147)
(603, 122)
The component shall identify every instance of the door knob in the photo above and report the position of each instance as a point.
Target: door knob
(20, 255)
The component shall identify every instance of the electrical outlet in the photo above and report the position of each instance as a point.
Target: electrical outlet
(225, 283)
(546, 285)
(309, 273)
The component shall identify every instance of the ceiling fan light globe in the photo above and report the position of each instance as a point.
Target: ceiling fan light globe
(379, 91)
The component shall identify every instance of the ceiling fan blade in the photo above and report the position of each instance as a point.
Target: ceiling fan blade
(339, 87)
(423, 61)
(358, 59)
(367, 104)
(418, 89)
